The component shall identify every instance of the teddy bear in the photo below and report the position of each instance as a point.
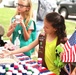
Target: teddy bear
(58, 62)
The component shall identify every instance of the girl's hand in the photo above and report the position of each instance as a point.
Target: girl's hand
(61, 54)
(19, 19)
(22, 22)
(13, 25)
(5, 53)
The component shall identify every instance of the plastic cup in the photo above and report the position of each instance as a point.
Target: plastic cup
(17, 18)
(40, 61)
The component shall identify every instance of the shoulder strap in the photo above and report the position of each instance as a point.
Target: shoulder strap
(29, 24)
(41, 52)
(33, 31)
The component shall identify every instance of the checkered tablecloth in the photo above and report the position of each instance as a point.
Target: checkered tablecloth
(25, 66)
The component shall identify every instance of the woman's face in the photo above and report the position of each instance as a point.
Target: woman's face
(22, 6)
(48, 27)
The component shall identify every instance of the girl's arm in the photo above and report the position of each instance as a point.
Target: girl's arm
(21, 50)
(26, 33)
(66, 69)
(73, 72)
(11, 29)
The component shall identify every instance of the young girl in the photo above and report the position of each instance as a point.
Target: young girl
(22, 25)
(54, 28)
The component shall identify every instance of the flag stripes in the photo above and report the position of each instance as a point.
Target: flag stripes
(69, 54)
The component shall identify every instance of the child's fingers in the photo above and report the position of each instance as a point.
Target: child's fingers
(1, 55)
(6, 52)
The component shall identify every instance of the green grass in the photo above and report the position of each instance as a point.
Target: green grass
(70, 26)
(7, 13)
(5, 16)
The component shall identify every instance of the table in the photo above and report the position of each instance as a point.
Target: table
(26, 66)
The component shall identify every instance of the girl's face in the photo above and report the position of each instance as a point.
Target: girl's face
(48, 27)
(22, 6)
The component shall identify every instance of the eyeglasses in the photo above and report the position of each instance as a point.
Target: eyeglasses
(21, 5)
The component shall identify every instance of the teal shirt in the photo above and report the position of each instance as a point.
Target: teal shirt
(24, 42)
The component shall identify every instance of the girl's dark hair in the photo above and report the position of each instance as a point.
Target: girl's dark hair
(58, 23)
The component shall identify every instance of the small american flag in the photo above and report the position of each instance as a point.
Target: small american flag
(69, 54)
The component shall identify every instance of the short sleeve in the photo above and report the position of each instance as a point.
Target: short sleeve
(32, 26)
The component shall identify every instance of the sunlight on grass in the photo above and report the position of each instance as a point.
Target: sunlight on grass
(70, 26)
(5, 17)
